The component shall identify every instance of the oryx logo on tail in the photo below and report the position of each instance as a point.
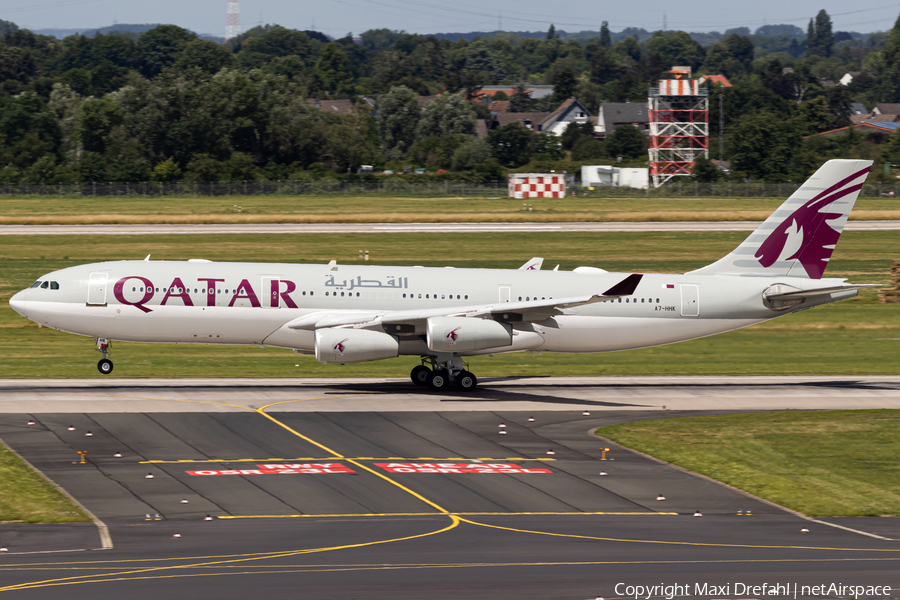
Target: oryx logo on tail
(806, 235)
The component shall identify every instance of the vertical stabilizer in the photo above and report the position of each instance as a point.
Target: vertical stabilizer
(797, 240)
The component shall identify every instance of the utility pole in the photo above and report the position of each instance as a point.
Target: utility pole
(721, 127)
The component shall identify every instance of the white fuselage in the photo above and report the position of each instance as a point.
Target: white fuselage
(248, 303)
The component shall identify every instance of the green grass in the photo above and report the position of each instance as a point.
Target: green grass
(43, 210)
(857, 336)
(27, 497)
(829, 463)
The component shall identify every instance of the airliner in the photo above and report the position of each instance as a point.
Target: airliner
(343, 313)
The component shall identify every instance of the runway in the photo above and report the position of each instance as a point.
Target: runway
(366, 499)
(480, 227)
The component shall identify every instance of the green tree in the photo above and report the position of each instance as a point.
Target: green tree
(470, 154)
(450, 114)
(605, 39)
(626, 140)
(7, 27)
(28, 130)
(547, 147)
(731, 56)
(520, 101)
(677, 48)
(605, 68)
(376, 40)
(160, 47)
(819, 36)
(332, 68)
(167, 170)
(206, 56)
(763, 145)
(97, 118)
(887, 67)
(813, 116)
(239, 167)
(705, 171)
(574, 132)
(551, 33)
(587, 148)
(278, 42)
(353, 142)
(398, 120)
(204, 168)
(628, 47)
(512, 144)
(565, 83)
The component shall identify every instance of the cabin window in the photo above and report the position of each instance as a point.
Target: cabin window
(45, 285)
(326, 293)
(520, 298)
(54, 285)
(342, 294)
(442, 296)
(626, 300)
(657, 300)
(420, 296)
(404, 295)
(312, 293)
(133, 289)
(427, 295)
(467, 297)
(36, 284)
(642, 300)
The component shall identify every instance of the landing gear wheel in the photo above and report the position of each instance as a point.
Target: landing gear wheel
(105, 366)
(466, 381)
(419, 375)
(438, 380)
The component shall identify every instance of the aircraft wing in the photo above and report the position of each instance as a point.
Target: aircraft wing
(519, 312)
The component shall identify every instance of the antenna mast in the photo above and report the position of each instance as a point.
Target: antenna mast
(233, 20)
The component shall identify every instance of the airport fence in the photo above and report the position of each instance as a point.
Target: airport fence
(411, 188)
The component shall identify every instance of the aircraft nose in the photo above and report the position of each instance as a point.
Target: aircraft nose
(17, 302)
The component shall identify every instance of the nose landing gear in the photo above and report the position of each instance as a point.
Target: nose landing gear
(105, 365)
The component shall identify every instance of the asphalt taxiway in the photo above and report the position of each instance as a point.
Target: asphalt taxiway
(381, 502)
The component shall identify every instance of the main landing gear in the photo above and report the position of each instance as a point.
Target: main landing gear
(105, 365)
(443, 374)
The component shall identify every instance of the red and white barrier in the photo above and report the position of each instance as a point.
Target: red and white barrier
(537, 185)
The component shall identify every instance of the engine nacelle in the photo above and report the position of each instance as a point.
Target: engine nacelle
(341, 346)
(460, 334)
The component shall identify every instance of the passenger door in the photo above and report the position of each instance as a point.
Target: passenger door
(97, 285)
(690, 300)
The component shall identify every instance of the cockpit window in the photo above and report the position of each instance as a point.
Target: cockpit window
(36, 284)
(54, 285)
(45, 285)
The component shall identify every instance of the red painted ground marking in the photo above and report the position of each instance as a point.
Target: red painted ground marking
(503, 468)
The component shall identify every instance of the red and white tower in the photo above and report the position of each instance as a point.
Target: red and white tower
(233, 20)
(679, 126)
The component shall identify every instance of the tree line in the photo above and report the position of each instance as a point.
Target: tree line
(166, 105)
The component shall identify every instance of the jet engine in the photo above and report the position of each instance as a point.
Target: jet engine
(460, 334)
(340, 346)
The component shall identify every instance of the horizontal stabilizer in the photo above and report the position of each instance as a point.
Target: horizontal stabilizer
(533, 265)
(795, 295)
